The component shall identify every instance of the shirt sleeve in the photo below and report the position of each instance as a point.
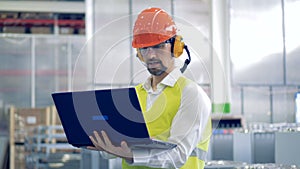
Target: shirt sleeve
(186, 129)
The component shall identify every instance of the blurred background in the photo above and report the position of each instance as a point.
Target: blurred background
(245, 55)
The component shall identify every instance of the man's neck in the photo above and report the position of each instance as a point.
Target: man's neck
(157, 79)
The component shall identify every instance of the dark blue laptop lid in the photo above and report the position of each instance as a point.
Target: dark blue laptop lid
(116, 111)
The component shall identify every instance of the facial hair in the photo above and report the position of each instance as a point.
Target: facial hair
(156, 71)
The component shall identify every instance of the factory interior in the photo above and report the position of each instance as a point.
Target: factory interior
(245, 54)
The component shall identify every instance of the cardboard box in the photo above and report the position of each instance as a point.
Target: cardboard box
(45, 15)
(19, 157)
(41, 30)
(66, 30)
(8, 15)
(29, 15)
(26, 120)
(81, 31)
(36, 15)
(54, 119)
(13, 29)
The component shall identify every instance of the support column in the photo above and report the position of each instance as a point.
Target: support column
(33, 72)
(220, 56)
(81, 75)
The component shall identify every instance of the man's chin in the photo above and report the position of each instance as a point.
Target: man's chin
(155, 72)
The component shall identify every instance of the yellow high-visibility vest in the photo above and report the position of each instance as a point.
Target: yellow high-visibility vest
(159, 120)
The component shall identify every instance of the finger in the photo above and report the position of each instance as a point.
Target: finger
(91, 148)
(95, 143)
(125, 147)
(98, 148)
(106, 139)
(98, 143)
(126, 150)
(93, 140)
(99, 139)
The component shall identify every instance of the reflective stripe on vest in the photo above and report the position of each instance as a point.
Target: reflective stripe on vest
(200, 154)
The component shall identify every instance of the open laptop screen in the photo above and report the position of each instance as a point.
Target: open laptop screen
(116, 111)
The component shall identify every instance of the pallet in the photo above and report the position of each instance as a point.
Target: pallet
(35, 131)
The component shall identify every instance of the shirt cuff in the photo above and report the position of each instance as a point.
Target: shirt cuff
(140, 157)
(106, 155)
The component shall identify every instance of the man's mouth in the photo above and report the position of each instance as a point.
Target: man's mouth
(154, 64)
(156, 67)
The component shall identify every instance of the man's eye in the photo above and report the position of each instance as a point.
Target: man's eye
(159, 46)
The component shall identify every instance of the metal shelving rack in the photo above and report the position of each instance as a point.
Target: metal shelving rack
(47, 146)
(47, 17)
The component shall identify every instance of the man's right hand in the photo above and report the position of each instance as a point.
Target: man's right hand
(122, 151)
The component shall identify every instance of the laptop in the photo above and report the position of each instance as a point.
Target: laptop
(115, 111)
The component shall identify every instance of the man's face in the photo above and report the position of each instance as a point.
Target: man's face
(158, 58)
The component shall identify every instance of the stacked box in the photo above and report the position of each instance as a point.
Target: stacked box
(35, 134)
(35, 15)
(66, 30)
(8, 15)
(45, 15)
(81, 31)
(20, 155)
(29, 15)
(13, 29)
(71, 16)
(28, 119)
(22, 124)
(41, 30)
(55, 120)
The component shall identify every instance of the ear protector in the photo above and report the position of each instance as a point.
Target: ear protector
(177, 49)
(177, 46)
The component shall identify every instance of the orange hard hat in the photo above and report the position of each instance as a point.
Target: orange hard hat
(153, 26)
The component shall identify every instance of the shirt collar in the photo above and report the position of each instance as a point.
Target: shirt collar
(169, 80)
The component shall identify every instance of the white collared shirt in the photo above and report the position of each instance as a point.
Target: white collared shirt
(187, 126)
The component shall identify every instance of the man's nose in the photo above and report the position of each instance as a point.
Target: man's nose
(151, 53)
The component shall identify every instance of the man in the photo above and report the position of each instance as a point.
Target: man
(175, 108)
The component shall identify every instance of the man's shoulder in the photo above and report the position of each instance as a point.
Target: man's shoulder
(186, 82)
(191, 87)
